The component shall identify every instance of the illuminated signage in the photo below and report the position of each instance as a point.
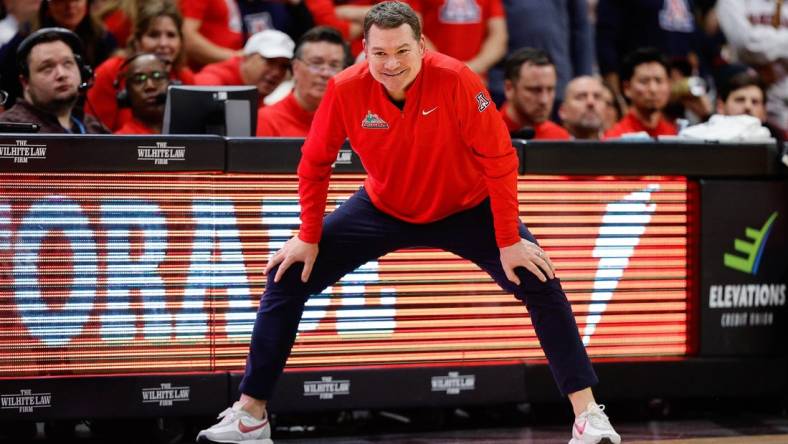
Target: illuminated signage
(157, 272)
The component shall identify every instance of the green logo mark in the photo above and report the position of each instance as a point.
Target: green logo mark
(752, 250)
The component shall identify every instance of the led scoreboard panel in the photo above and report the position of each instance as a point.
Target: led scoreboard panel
(156, 272)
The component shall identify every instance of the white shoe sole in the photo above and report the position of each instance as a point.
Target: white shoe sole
(602, 441)
(204, 440)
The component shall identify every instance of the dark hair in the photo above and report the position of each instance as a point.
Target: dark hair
(390, 15)
(46, 35)
(89, 30)
(639, 57)
(152, 10)
(324, 34)
(532, 56)
(738, 76)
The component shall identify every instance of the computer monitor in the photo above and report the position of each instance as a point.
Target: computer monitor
(222, 110)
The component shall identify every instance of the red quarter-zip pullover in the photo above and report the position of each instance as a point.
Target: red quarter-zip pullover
(444, 152)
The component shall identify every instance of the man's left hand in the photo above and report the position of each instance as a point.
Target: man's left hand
(529, 255)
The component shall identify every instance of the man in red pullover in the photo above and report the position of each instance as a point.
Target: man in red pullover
(529, 86)
(441, 173)
(644, 77)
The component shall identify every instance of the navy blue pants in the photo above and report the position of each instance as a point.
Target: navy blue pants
(357, 233)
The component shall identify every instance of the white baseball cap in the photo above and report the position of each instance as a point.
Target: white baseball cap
(270, 44)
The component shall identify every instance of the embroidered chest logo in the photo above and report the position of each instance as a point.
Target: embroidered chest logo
(482, 101)
(373, 121)
(460, 12)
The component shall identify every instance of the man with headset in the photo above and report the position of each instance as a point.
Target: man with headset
(145, 78)
(53, 77)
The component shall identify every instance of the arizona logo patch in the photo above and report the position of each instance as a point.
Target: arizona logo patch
(372, 121)
(482, 101)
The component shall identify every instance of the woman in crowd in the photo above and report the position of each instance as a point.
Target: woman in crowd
(157, 30)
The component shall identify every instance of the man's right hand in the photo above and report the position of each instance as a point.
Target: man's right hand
(294, 250)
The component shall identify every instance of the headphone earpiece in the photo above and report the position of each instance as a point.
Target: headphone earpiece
(122, 98)
(85, 74)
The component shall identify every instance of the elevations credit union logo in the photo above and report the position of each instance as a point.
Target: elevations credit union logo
(753, 251)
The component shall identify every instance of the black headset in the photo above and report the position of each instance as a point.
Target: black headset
(53, 34)
(121, 91)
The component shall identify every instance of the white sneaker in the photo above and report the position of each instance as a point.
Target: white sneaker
(593, 427)
(236, 426)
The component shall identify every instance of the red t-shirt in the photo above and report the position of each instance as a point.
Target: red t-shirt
(220, 20)
(457, 28)
(119, 25)
(444, 152)
(631, 124)
(546, 130)
(101, 99)
(284, 118)
(134, 126)
(227, 72)
(323, 14)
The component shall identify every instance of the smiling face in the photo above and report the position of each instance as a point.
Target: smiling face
(265, 74)
(162, 38)
(395, 57)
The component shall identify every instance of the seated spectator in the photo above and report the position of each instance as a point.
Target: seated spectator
(211, 29)
(472, 31)
(146, 78)
(529, 86)
(19, 13)
(347, 16)
(157, 30)
(52, 76)
(320, 54)
(264, 63)
(740, 90)
(69, 14)
(644, 76)
(583, 108)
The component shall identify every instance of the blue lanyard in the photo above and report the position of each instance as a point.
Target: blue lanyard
(79, 124)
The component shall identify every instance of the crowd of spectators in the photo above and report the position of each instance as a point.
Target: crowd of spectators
(561, 69)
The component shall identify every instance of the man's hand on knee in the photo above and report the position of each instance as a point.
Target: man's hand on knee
(294, 250)
(529, 255)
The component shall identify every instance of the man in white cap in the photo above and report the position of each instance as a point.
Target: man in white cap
(264, 63)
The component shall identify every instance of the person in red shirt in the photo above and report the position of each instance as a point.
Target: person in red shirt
(582, 111)
(157, 30)
(473, 31)
(441, 173)
(644, 76)
(212, 30)
(320, 54)
(146, 78)
(529, 86)
(264, 64)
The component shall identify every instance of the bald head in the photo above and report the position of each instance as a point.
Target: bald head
(583, 107)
